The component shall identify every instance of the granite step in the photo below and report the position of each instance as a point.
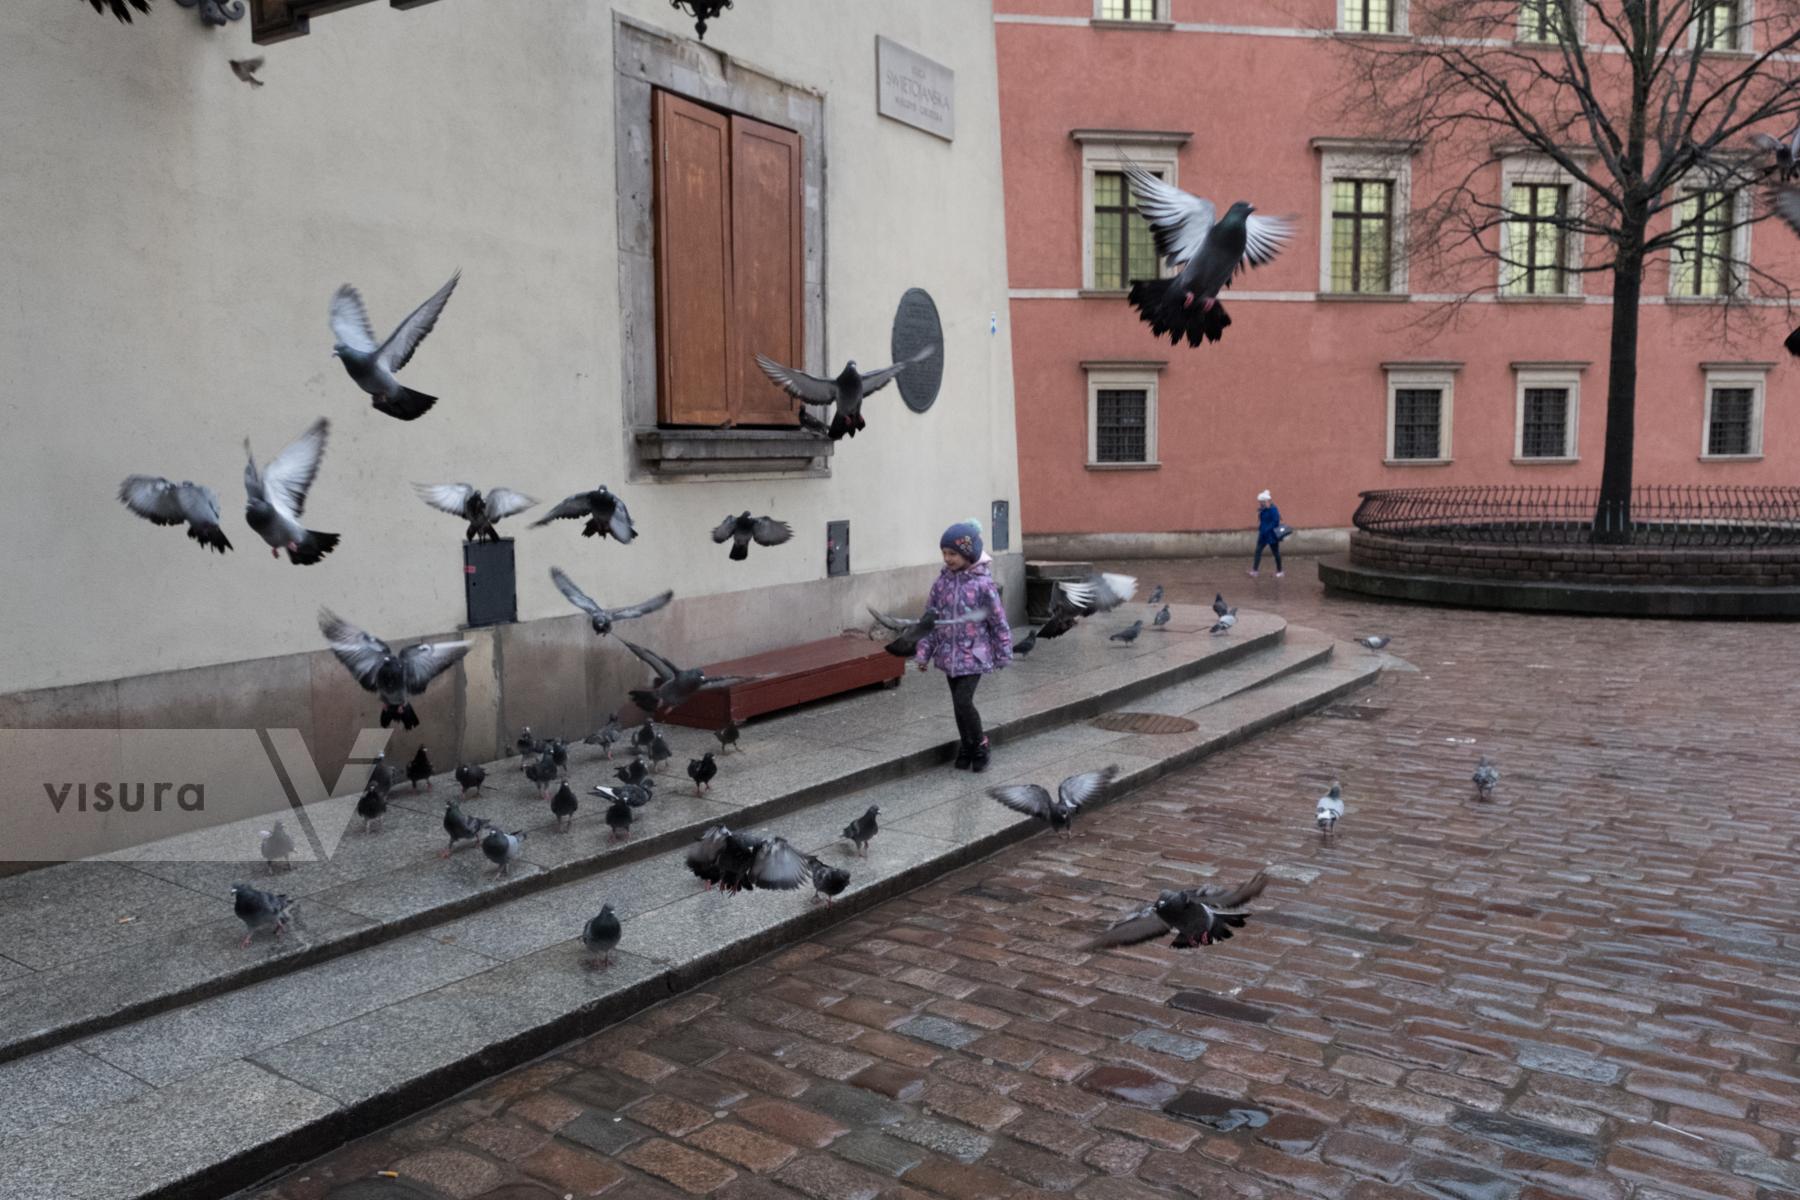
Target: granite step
(218, 1093)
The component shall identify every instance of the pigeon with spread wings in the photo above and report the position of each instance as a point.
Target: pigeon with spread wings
(673, 684)
(1197, 917)
(1056, 811)
(602, 618)
(1786, 202)
(275, 500)
(744, 528)
(396, 678)
(372, 364)
(1209, 250)
(605, 513)
(1786, 152)
(186, 503)
(466, 501)
(846, 391)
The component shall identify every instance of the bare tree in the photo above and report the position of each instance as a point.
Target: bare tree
(1641, 106)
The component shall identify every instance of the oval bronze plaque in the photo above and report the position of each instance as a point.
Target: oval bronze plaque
(916, 327)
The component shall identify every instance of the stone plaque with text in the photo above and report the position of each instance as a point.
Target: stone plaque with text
(914, 89)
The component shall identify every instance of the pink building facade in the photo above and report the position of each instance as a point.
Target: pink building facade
(1331, 379)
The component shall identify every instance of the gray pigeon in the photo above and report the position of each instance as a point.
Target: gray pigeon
(1208, 251)
(466, 501)
(622, 801)
(728, 736)
(275, 500)
(1128, 634)
(372, 807)
(605, 736)
(1487, 778)
(862, 831)
(503, 849)
(371, 364)
(1374, 641)
(1156, 595)
(1056, 811)
(469, 777)
(1330, 811)
(381, 777)
(701, 770)
(563, 806)
(260, 910)
(1219, 607)
(1198, 917)
(1224, 623)
(746, 861)
(1026, 644)
(741, 529)
(396, 678)
(277, 846)
(846, 391)
(673, 684)
(828, 881)
(543, 772)
(914, 631)
(1162, 617)
(1099, 593)
(186, 503)
(601, 936)
(461, 828)
(1786, 152)
(246, 68)
(605, 514)
(602, 618)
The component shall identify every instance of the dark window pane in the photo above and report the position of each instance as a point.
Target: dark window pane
(1121, 425)
(1369, 16)
(1729, 432)
(1123, 247)
(1417, 420)
(1545, 432)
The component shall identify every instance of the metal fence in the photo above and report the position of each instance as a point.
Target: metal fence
(1659, 515)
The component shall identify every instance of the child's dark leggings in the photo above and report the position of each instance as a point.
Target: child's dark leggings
(1274, 548)
(962, 697)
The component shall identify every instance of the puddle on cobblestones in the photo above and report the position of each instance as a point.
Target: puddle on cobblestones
(1130, 1085)
(1223, 1113)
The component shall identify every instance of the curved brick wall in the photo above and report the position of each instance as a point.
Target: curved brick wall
(1771, 566)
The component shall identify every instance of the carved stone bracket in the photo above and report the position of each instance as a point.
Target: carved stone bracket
(279, 20)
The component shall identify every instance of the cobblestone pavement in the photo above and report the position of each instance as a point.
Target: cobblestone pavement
(1588, 988)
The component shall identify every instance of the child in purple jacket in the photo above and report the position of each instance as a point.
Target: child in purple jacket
(966, 652)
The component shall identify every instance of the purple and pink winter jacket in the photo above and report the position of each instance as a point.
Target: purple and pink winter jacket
(977, 647)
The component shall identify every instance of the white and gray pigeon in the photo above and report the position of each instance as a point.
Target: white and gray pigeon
(275, 499)
(1198, 917)
(260, 910)
(605, 514)
(743, 528)
(1487, 778)
(1224, 623)
(1330, 811)
(466, 501)
(503, 849)
(1056, 811)
(396, 678)
(160, 502)
(1209, 250)
(1099, 593)
(1786, 152)
(601, 936)
(1219, 607)
(372, 364)
(846, 391)
(1374, 641)
(602, 618)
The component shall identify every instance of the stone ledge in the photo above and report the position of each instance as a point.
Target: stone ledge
(674, 452)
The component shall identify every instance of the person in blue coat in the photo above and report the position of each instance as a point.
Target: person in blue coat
(1268, 526)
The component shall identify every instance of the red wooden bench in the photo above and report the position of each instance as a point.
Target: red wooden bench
(784, 678)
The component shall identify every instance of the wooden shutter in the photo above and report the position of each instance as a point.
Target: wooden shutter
(696, 371)
(768, 282)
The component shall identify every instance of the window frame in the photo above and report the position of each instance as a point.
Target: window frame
(1754, 376)
(1397, 7)
(1123, 375)
(1154, 151)
(1159, 15)
(1527, 376)
(1351, 159)
(1519, 37)
(1746, 32)
(1517, 169)
(1420, 376)
(1740, 248)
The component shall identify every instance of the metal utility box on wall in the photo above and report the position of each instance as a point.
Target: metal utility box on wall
(837, 548)
(488, 583)
(1000, 534)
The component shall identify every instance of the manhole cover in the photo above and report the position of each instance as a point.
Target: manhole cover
(1353, 712)
(1130, 722)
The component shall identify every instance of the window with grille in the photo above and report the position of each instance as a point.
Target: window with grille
(1128, 10)
(1730, 430)
(1417, 422)
(1702, 262)
(1362, 235)
(1123, 247)
(1121, 425)
(1544, 428)
(1716, 24)
(1543, 20)
(1537, 242)
(1369, 16)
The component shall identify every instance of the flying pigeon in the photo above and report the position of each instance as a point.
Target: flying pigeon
(1198, 917)
(739, 530)
(372, 806)
(827, 880)
(503, 848)
(673, 684)
(1786, 152)
(605, 736)
(1099, 593)
(1224, 623)
(396, 678)
(621, 802)
(913, 632)
(811, 423)
(1209, 251)
(1374, 641)
(1156, 595)
(1786, 202)
(1026, 644)
(746, 861)
(1162, 617)
(728, 736)
(601, 618)
(543, 772)
(563, 806)
(276, 499)
(459, 827)
(1487, 778)
(186, 503)
(372, 365)
(1218, 606)
(469, 777)
(1128, 634)
(246, 68)
(605, 513)
(846, 391)
(466, 501)
(701, 770)
(1331, 810)
(862, 831)
(601, 935)
(1059, 811)
(120, 11)
(260, 910)
(276, 846)
(1063, 615)
(419, 769)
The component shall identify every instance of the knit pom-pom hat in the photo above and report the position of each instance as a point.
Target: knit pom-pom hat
(964, 537)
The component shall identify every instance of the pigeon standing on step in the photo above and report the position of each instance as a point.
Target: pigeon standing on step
(622, 803)
(372, 364)
(528, 747)
(503, 848)
(1057, 811)
(605, 514)
(1026, 644)
(186, 503)
(1374, 641)
(1219, 606)
(1224, 623)
(372, 806)
(1156, 595)
(728, 736)
(601, 935)
(469, 777)
(846, 392)
(701, 770)
(633, 773)
(419, 769)
(543, 772)
(1330, 811)
(466, 501)
(742, 529)
(260, 910)
(862, 831)
(1162, 617)
(563, 806)
(275, 499)
(1129, 634)
(277, 846)
(605, 736)
(1487, 778)
(396, 678)
(828, 881)
(461, 828)
(1198, 917)
(1099, 593)
(602, 618)
(380, 776)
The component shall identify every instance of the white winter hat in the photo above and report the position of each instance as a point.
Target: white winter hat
(1263, 495)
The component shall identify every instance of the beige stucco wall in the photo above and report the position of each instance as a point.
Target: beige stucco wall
(170, 239)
